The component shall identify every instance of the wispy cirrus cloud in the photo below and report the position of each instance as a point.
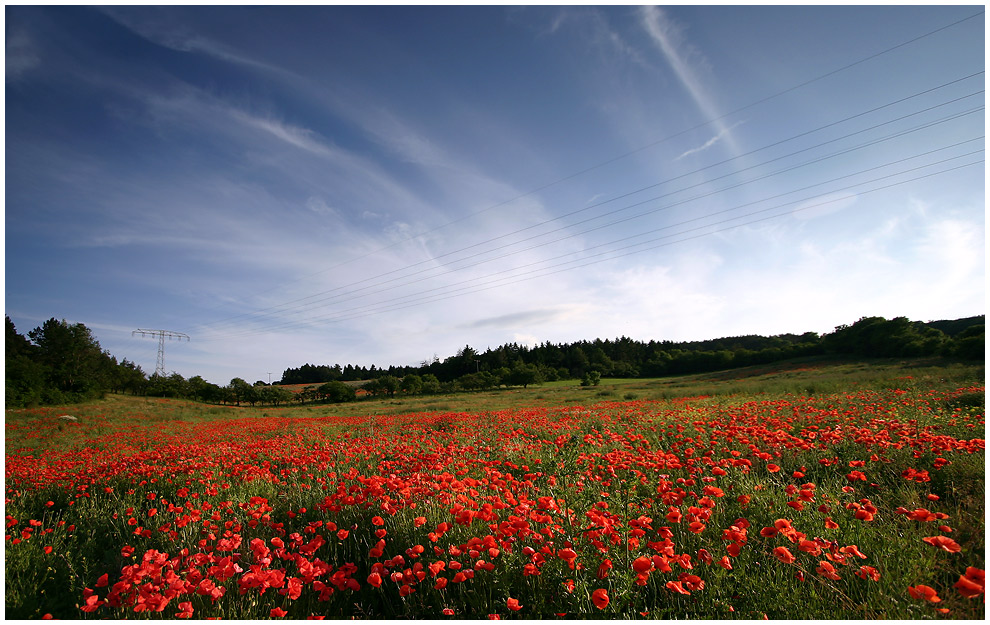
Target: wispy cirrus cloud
(598, 32)
(20, 55)
(686, 62)
(160, 26)
(296, 151)
(454, 174)
(522, 319)
(296, 136)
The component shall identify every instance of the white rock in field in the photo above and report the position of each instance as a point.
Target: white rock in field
(67, 417)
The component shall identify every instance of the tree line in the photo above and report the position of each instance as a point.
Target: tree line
(625, 357)
(59, 363)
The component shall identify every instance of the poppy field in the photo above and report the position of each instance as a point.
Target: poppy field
(867, 503)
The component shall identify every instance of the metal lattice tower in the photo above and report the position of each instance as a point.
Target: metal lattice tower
(161, 334)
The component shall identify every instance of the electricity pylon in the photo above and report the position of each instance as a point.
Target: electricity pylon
(161, 334)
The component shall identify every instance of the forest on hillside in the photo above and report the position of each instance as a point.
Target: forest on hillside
(625, 357)
(60, 362)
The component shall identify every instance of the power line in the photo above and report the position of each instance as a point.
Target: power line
(311, 302)
(284, 324)
(629, 153)
(626, 219)
(463, 292)
(430, 299)
(665, 207)
(287, 305)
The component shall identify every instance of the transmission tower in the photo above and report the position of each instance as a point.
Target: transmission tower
(161, 334)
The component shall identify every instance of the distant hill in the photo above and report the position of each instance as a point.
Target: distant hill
(956, 326)
(629, 358)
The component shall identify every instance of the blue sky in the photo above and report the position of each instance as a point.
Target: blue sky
(377, 185)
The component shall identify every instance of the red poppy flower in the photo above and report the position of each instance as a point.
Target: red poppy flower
(277, 612)
(972, 583)
(773, 468)
(642, 564)
(926, 593)
(868, 572)
(692, 582)
(677, 587)
(784, 555)
(944, 543)
(705, 556)
(853, 550)
(825, 569)
(600, 598)
(920, 514)
(513, 604)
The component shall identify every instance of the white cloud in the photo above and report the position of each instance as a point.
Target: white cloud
(397, 136)
(21, 55)
(921, 268)
(319, 206)
(597, 33)
(296, 136)
(951, 256)
(162, 26)
(528, 340)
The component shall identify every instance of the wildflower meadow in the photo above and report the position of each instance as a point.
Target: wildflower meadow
(859, 503)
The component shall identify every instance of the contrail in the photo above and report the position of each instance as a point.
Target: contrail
(662, 31)
(709, 143)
